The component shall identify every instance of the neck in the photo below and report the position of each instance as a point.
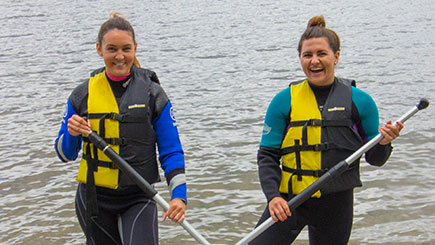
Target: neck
(117, 78)
(324, 84)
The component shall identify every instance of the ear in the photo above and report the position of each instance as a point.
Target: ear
(337, 57)
(99, 49)
(135, 47)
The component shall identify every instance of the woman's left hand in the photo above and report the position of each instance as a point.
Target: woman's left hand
(176, 211)
(390, 132)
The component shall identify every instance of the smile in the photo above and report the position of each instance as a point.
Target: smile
(119, 64)
(316, 70)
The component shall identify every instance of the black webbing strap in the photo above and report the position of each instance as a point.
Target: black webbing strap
(124, 118)
(314, 173)
(111, 141)
(318, 147)
(298, 158)
(99, 163)
(91, 193)
(323, 123)
(117, 117)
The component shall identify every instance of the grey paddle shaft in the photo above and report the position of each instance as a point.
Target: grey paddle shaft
(331, 174)
(128, 170)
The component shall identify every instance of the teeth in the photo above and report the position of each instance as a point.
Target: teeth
(317, 69)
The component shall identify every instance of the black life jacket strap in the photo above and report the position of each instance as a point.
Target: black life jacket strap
(298, 158)
(111, 141)
(125, 118)
(99, 163)
(318, 147)
(314, 173)
(322, 123)
(91, 193)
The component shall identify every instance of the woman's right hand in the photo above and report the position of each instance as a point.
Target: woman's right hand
(77, 125)
(279, 209)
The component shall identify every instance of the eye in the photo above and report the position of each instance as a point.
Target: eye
(307, 55)
(126, 49)
(323, 53)
(111, 49)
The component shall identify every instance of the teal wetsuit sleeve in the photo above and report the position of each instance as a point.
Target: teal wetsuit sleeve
(369, 117)
(269, 154)
(276, 120)
(368, 112)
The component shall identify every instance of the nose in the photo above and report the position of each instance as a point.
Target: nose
(315, 59)
(119, 55)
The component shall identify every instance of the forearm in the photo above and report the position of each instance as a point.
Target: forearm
(171, 152)
(269, 171)
(379, 154)
(67, 146)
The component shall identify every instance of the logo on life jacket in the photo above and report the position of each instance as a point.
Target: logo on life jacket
(336, 109)
(136, 106)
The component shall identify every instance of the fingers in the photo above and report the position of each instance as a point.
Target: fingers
(390, 132)
(77, 125)
(279, 209)
(176, 211)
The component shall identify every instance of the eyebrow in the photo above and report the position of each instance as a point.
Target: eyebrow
(113, 45)
(309, 52)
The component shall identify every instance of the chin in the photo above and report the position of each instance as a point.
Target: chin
(118, 73)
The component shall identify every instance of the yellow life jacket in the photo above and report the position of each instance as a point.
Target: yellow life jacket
(317, 140)
(301, 94)
(101, 101)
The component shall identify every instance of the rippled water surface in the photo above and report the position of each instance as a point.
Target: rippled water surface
(220, 62)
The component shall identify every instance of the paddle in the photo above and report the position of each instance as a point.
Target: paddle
(331, 174)
(140, 181)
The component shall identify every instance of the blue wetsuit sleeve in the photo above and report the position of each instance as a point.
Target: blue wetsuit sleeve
(171, 153)
(369, 117)
(67, 146)
(269, 154)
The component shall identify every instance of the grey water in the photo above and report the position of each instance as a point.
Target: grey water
(220, 62)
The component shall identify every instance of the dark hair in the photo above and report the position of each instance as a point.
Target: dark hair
(317, 28)
(117, 21)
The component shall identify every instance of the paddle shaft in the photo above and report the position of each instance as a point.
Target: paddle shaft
(128, 170)
(330, 175)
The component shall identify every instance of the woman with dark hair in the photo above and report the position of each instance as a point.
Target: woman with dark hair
(126, 106)
(309, 127)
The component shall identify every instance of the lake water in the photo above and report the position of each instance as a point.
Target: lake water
(220, 62)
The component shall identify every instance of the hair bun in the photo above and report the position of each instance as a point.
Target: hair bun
(115, 14)
(317, 21)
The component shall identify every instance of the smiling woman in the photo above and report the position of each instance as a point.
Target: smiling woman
(126, 106)
(319, 51)
(118, 50)
(318, 61)
(310, 127)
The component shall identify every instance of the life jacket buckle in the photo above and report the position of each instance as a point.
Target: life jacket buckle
(314, 122)
(319, 173)
(322, 147)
